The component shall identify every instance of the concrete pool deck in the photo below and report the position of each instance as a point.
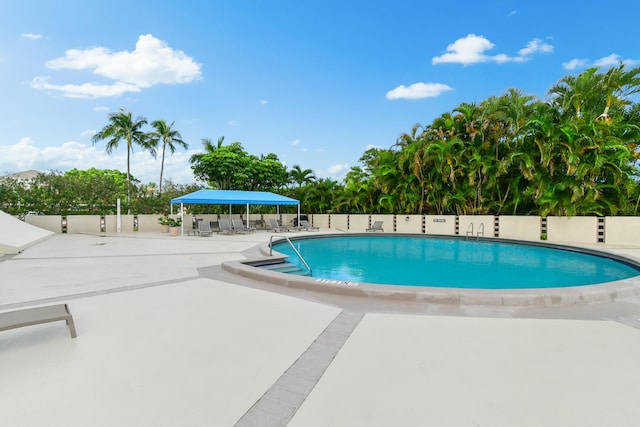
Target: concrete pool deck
(166, 338)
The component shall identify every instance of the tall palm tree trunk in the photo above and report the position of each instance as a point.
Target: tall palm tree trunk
(162, 168)
(128, 179)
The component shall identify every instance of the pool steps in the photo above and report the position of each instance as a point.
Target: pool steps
(284, 267)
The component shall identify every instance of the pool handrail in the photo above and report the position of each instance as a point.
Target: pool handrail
(480, 231)
(292, 247)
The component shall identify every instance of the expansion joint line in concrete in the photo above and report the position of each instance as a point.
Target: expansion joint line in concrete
(6, 257)
(278, 405)
(65, 298)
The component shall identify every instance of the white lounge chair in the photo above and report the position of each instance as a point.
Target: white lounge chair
(377, 226)
(274, 226)
(37, 315)
(239, 227)
(204, 228)
(225, 226)
(304, 225)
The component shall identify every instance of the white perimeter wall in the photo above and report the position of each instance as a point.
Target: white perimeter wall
(576, 229)
(487, 222)
(616, 230)
(83, 224)
(520, 227)
(622, 230)
(440, 224)
(387, 222)
(340, 222)
(145, 222)
(409, 224)
(320, 220)
(357, 223)
(47, 222)
(111, 223)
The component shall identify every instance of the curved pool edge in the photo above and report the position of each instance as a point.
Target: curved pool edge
(565, 296)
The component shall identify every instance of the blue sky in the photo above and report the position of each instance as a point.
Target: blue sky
(315, 82)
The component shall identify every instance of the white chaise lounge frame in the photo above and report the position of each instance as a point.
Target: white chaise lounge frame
(37, 315)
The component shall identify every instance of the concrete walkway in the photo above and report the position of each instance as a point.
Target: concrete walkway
(166, 338)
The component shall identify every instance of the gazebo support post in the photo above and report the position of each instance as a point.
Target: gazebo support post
(182, 218)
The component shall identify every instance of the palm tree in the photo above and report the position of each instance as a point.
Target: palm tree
(618, 85)
(320, 196)
(123, 127)
(301, 176)
(209, 147)
(170, 139)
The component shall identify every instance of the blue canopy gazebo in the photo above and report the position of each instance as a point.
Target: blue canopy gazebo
(232, 197)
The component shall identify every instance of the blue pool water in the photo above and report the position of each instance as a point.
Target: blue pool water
(456, 263)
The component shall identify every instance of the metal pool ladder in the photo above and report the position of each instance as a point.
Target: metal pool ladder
(292, 247)
(478, 234)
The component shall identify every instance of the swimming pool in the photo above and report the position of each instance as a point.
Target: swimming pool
(453, 262)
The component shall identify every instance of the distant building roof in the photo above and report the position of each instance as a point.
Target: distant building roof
(24, 175)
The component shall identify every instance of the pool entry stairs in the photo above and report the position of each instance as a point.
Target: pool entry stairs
(284, 266)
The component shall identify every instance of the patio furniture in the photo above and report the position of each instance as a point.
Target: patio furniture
(377, 226)
(204, 228)
(239, 227)
(274, 226)
(258, 223)
(36, 316)
(304, 225)
(225, 226)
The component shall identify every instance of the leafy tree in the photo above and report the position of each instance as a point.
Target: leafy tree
(224, 168)
(209, 147)
(12, 192)
(76, 192)
(229, 167)
(266, 173)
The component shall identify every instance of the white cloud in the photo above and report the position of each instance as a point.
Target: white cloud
(338, 168)
(418, 91)
(336, 172)
(101, 108)
(32, 36)
(575, 63)
(25, 155)
(295, 142)
(604, 62)
(18, 157)
(234, 122)
(263, 102)
(513, 12)
(467, 50)
(88, 132)
(535, 46)
(472, 50)
(608, 61)
(85, 90)
(370, 146)
(151, 62)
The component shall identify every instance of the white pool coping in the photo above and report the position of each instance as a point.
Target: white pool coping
(596, 293)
